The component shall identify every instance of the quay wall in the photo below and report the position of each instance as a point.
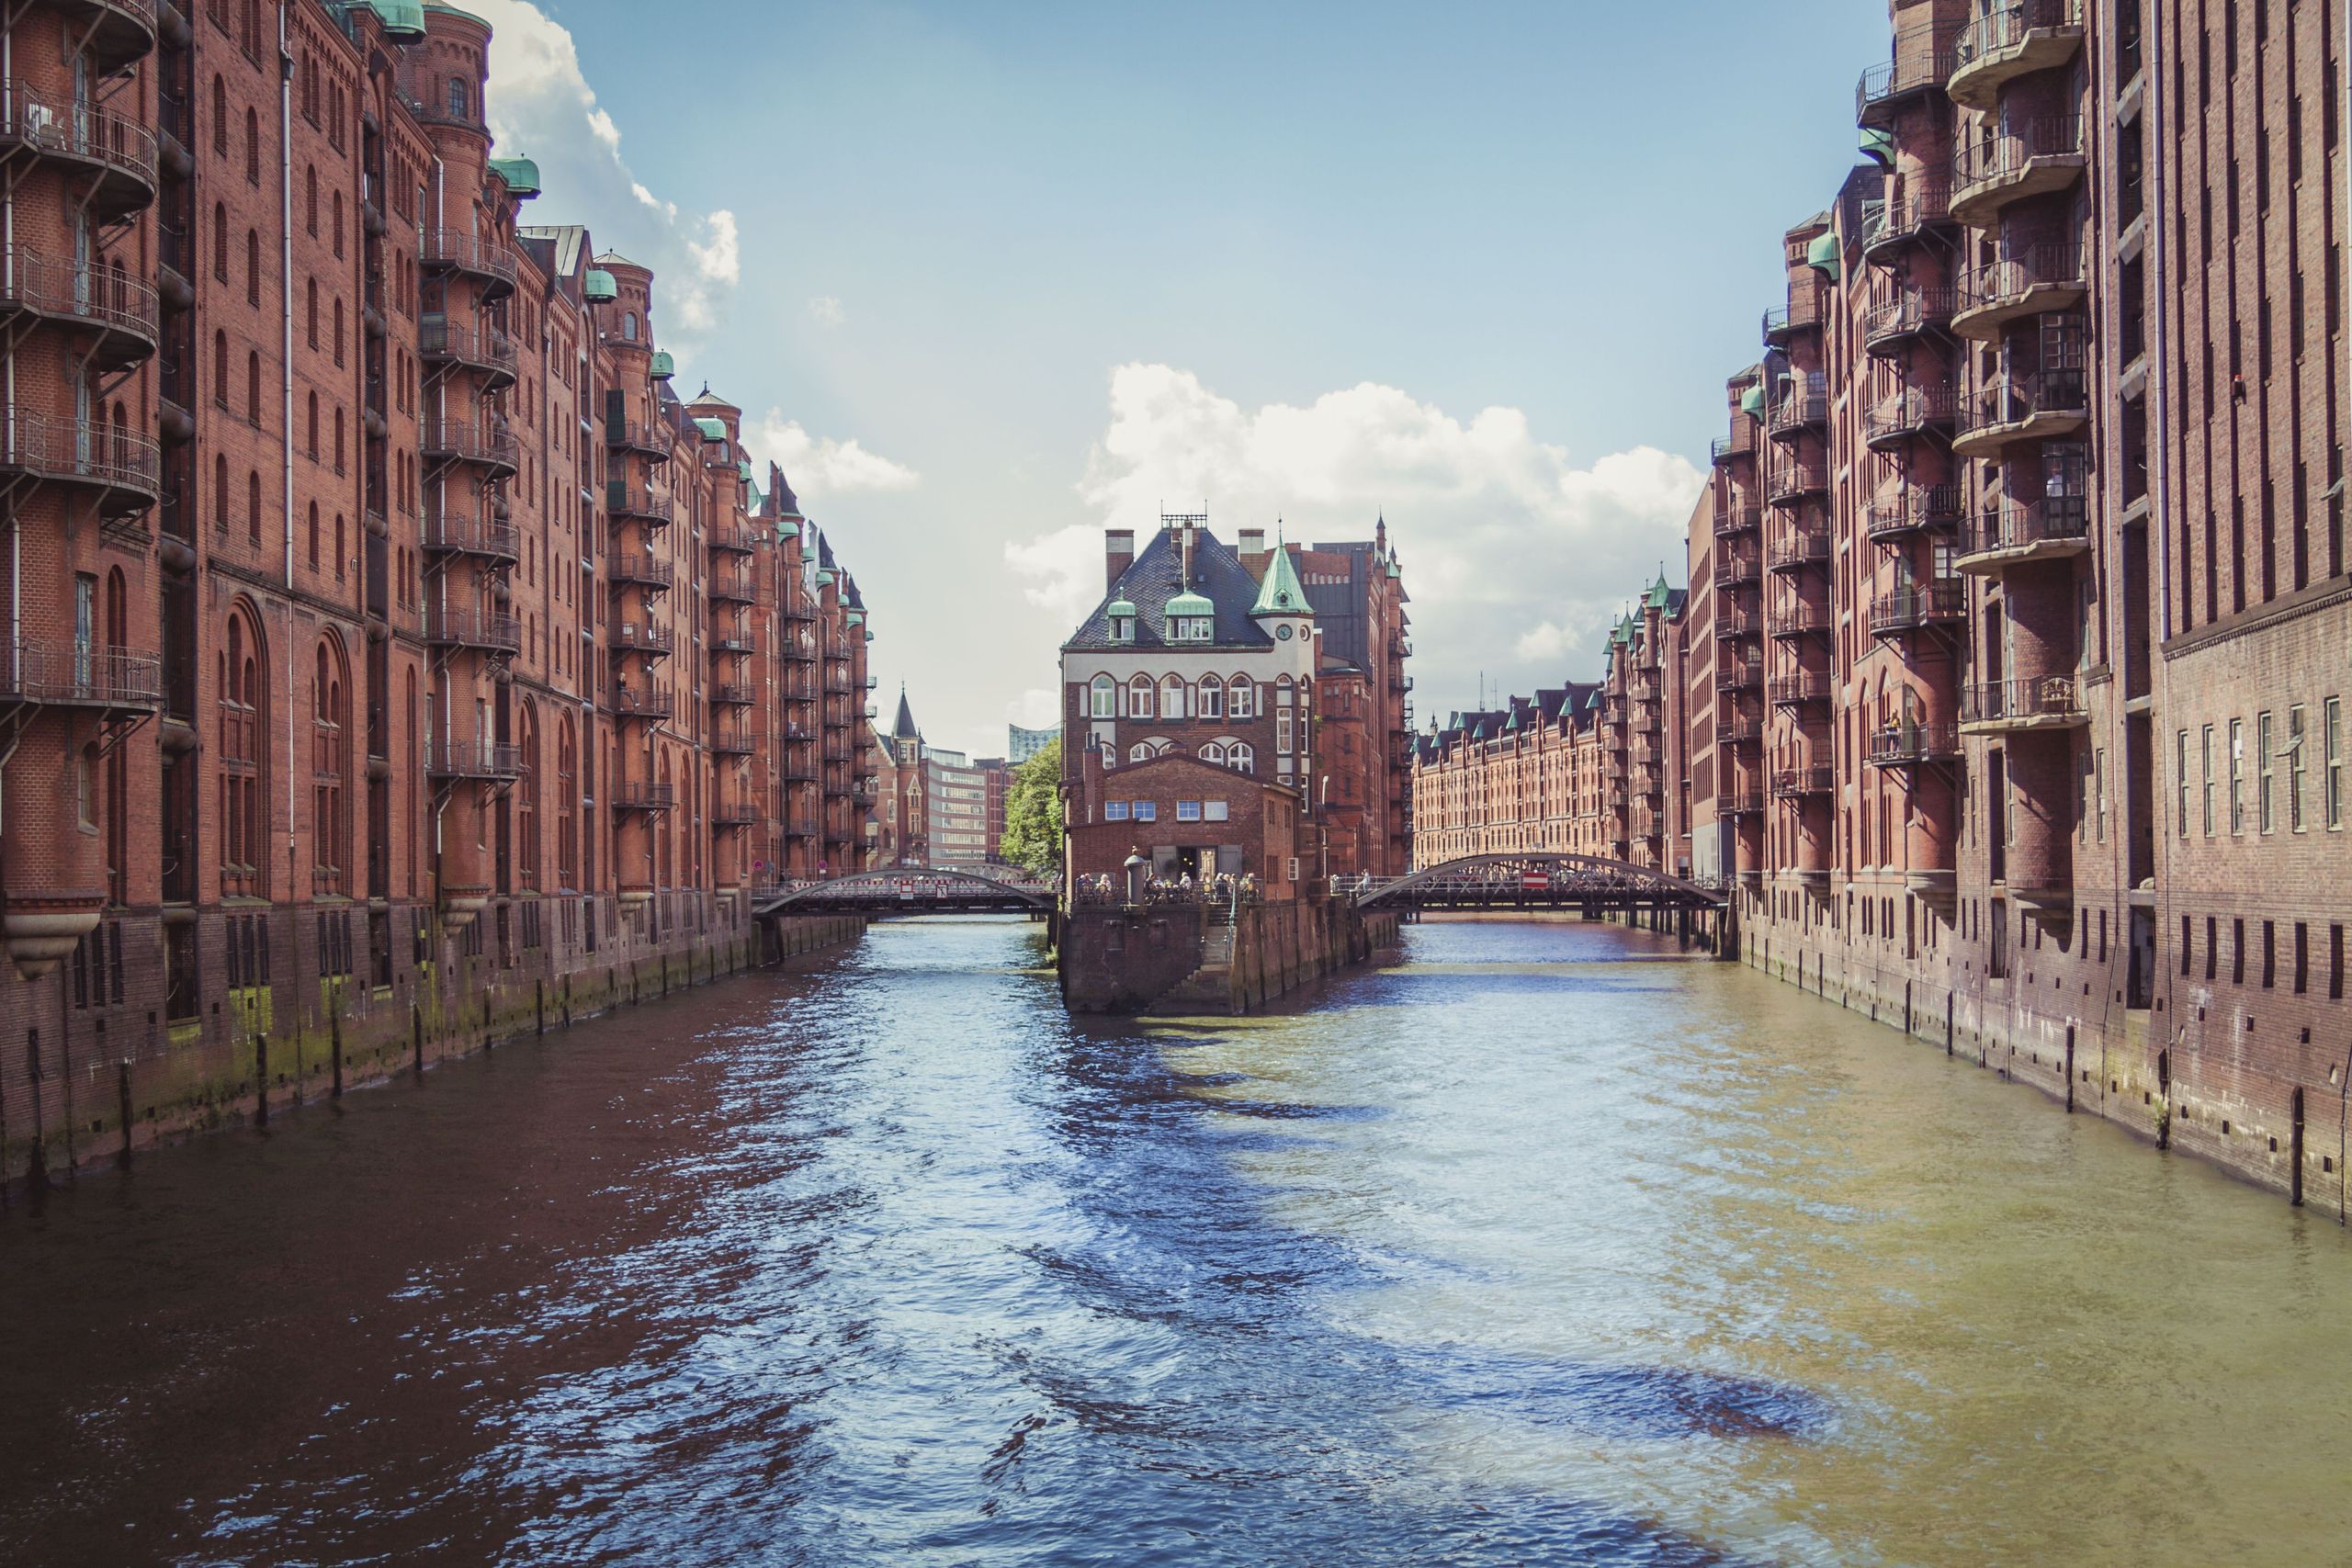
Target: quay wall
(1150, 958)
(99, 1076)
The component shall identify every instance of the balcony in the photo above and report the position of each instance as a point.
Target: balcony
(734, 694)
(1786, 483)
(1801, 314)
(485, 351)
(1919, 508)
(797, 653)
(484, 631)
(470, 256)
(125, 469)
(1739, 800)
(1804, 686)
(733, 740)
(1909, 415)
(734, 642)
(2054, 528)
(1937, 602)
(734, 814)
(1920, 212)
(641, 570)
(794, 609)
(732, 537)
(1736, 568)
(1739, 728)
(1794, 552)
(1730, 624)
(1740, 675)
(641, 637)
(115, 313)
(621, 501)
(1793, 618)
(1893, 323)
(1912, 745)
(115, 154)
(1801, 410)
(1737, 517)
(1922, 64)
(448, 759)
(632, 795)
(2045, 407)
(732, 588)
(2051, 702)
(649, 704)
(1740, 443)
(118, 31)
(2047, 277)
(1991, 171)
(471, 534)
(1797, 784)
(458, 441)
(2014, 39)
(645, 438)
(66, 674)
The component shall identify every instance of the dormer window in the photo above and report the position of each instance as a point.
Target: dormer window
(1193, 628)
(1123, 621)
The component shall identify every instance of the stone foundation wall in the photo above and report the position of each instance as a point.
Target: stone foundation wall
(92, 1065)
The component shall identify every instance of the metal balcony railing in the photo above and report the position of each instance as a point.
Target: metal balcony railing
(1789, 481)
(732, 536)
(641, 570)
(1920, 604)
(1987, 158)
(2058, 519)
(1911, 413)
(635, 795)
(104, 298)
(477, 348)
(733, 740)
(1815, 778)
(119, 148)
(451, 759)
(1736, 623)
(637, 435)
(1804, 686)
(650, 703)
(2016, 401)
(440, 250)
(621, 501)
(641, 637)
(2049, 266)
(731, 588)
(79, 675)
(1807, 547)
(457, 626)
(67, 451)
(1739, 676)
(460, 441)
(1799, 618)
(2047, 697)
(1737, 517)
(1909, 311)
(1920, 205)
(1913, 508)
(2007, 25)
(1736, 567)
(1921, 63)
(734, 693)
(1901, 745)
(474, 533)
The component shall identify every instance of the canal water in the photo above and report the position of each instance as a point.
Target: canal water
(1545, 1246)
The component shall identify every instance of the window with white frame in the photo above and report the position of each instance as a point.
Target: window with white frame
(1188, 811)
(1213, 753)
(1139, 697)
(1241, 698)
(1147, 811)
(1209, 700)
(1242, 757)
(1114, 811)
(1213, 811)
(1172, 697)
(1122, 628)
(1283, 731)
(1103, 698)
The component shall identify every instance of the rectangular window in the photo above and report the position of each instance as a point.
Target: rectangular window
(1283, 731)
(2207, 766)
(2237, 776)
(1188, 811)
(2295, 769)
(2303, 957)
(2332, 756)
(2269, 953)
(2180, 775)
(2098, 786)
(2212, 946)
(2336, 963)
(1114, 811)
(2262, 765)
(1210, 700)
(1213, 811)
(1147, 811)
(2237, 950)
(2185, 944)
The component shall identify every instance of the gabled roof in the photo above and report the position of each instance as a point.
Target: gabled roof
(1151, 581)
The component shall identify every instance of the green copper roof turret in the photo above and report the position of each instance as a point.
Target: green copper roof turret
(1281, 594)
(1191, 604)
(664, 366)
(1122, 607)
(712, 429)
(521, 174)
(403, 20)
(1878, 145)
(825, 576)
(1751, 402)
(788, 530)
(598, 287)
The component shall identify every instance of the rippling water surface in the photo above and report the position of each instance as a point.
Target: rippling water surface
(1546, 1246)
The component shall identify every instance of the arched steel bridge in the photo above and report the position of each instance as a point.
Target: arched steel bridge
(889, 891)
(1534, 880)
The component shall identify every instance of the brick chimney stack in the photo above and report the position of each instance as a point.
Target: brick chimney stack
(1118, 554)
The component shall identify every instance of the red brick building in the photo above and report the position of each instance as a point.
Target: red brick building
(390, 648)
(2013, 669)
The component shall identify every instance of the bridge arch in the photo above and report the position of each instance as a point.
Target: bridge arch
(905, 889)
(1565, 878)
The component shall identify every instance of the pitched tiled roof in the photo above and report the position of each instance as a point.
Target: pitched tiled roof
(1151, 580)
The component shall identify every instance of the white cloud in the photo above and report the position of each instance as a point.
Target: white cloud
(540, 103)
(820, 465)
(1516, 558)
(826, 310)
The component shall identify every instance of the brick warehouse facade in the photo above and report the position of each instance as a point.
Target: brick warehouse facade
(315, 454)
(2015, 656)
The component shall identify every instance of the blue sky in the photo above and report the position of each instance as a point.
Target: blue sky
(1485, 268)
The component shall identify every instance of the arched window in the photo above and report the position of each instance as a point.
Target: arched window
(1240, 697)
(311, 200)
(526, 798)
(253, 387)
(342, 550)
(338, 225)
(220, 117)
(314, 535)
(310, 313)
(458, 98)
(1139, 697)
(314, 427)
(1103, 698)
(220, 491)
(567, 791)
(220, 242)
(338, 439)
(1208, 699)
(1144, 750)
(1213, 752)
(338, 329)
(1242, 757)
(253, 506)
(244, 724)
(252, 148)
(1172, 697)
(252, 266)
(220, 369)
(628, 326)
(331, 769)
(1282, 691)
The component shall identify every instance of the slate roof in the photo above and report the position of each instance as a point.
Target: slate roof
(1151, 580)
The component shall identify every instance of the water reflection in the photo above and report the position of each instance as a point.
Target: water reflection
(1544, 1247)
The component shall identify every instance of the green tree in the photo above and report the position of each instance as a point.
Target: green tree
(1032, 814)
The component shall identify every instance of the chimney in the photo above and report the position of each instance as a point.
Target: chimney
(1250, 541)
(1118, 554)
